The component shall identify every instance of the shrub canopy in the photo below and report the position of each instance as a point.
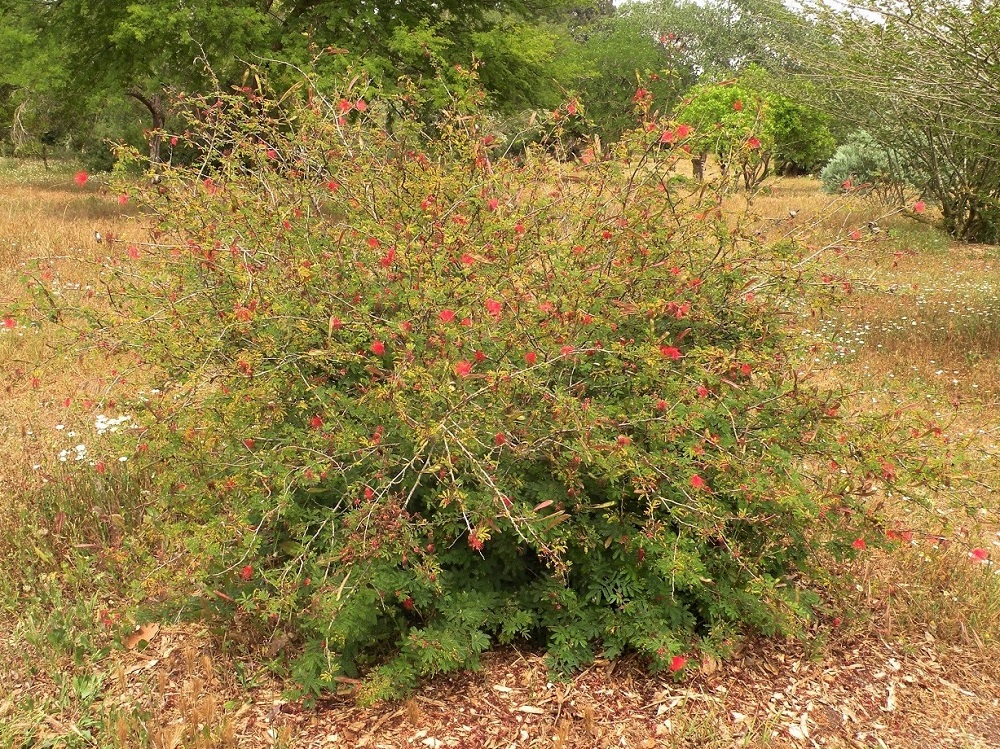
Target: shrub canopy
(416, 398)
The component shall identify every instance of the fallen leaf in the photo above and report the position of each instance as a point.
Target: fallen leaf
(145, 633)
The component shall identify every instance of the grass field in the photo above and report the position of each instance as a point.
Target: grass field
(905, 653)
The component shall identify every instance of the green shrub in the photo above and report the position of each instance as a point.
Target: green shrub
(865, 165)
(418, 398)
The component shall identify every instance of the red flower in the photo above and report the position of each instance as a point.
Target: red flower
(661, 405)
(738, 105)
(249, 443)
(745, 370)
(847, 184)
(446, 315)
(463, 368)
(333, 185)
(671, 352)
(408, 603)
(531, 357)
(316, 422)
(378, 348)
(667, 136)
(480, 356)
(272, 154)
(474, 542)
(344, 106)
(859, 544)
(492, 204)
(980, 555)
(122, 199)
(467, 259)
(677, 663)
(753, 142)
(494, 307)
(173, 141)
(81, 178)
(10, 323)
(500, 439)
(209, 185)
(919, 207)
(855, 235)
(624, 440)
(566, 350)
(369, 493)
(361, 105)
(388, 258)
(697, 482)
(519, 229)
(246, 573)
(101, 467)
(702, 391)
(336, 323)
(683, 131)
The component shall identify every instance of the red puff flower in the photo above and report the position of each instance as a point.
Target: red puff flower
(378, 348)
(463, 368)
(671, 352)
(246, 573)
(446, 315)
(531, 357)
(859, 544)
(979, 555)
(475, 542)
(81, 178)
(316, 422)
(677, 663)
(697, 482)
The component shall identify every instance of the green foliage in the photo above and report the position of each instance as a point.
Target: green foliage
(79, 58)
(733, 123)
(417, 398)
(802, 138)
(619, 54)
(743, 122)
(865, 165)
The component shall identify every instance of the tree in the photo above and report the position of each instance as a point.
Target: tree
(85, 53)
(743, 123)
(923, 82)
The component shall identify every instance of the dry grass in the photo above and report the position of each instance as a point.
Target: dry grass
(913, 661)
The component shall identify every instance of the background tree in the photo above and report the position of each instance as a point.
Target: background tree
(923, 82)
(86, 57)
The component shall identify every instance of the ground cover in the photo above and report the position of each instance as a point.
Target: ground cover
(903, 655)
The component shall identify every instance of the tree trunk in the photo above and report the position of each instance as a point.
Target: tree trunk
(158, 112)
(698, 166)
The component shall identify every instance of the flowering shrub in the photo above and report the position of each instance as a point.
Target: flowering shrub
(417, 398)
